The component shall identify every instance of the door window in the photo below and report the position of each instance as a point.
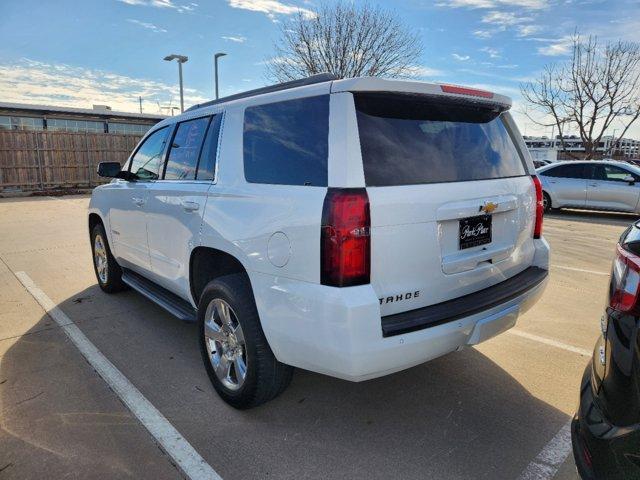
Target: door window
(566, 171)
(611, 173)
(207, 164)
(146, 162)
(185, 149)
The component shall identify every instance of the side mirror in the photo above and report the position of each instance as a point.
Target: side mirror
(128, 176)
(630, 179)
(108, 169)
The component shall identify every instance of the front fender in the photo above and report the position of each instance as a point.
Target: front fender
(98, 206)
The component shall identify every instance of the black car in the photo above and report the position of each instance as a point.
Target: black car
(606, 427)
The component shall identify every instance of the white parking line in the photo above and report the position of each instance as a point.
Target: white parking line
(549, 341)
(548, 461)
(183, 454)
(583, 270)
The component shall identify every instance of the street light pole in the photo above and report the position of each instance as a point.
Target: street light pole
(181, 59)
(181, 92)
(215, 69)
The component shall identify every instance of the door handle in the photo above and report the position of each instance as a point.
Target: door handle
(138, 201)
(190, 206)
(593, 184)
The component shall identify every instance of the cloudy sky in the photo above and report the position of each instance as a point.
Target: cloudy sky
(82, 52)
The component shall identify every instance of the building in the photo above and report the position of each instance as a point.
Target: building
(46, 147)
(545, 148)
(99, 119)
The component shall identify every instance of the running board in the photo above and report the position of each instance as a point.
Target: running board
(172, 303)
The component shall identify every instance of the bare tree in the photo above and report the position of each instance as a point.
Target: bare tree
(600, 85)
(346, 40)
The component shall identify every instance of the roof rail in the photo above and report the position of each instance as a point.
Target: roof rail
(318, 78)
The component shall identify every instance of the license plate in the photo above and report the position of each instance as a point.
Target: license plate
(474, 231)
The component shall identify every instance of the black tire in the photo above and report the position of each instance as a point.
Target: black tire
(547, 202)
(112, 281)
(265, 376)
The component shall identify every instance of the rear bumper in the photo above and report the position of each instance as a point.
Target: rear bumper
(581, 451)
(464, 306)
(337, 331)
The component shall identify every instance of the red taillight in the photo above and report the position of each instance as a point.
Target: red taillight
(345, 257)
(465, 91)
(625, 280)
(537, 229)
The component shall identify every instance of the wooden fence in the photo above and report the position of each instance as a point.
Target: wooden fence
(46, 160)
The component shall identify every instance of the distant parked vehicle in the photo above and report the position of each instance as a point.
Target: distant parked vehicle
(540, 163)
(592, 185)
(606, 427)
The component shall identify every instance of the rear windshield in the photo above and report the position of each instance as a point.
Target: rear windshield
(409, 140)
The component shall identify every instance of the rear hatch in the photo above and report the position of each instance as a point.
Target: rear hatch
(452, 203)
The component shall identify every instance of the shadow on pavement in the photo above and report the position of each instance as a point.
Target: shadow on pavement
(59, 419)
(460, 416)
(595, 217)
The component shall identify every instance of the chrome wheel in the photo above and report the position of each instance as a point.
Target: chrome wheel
(100, 259)
(225, 344)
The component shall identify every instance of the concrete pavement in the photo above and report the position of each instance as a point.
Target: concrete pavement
(484, 412)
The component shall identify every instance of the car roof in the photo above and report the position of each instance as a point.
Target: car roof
(301, 89)
(618, 163)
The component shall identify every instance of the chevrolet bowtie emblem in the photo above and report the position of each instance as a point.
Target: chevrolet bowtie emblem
(488, 207)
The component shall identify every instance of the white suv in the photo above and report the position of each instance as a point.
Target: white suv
(350, 227)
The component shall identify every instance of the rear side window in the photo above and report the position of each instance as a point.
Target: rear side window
(185, 149)
(409, 140)
(566, 171)
(287, 143)
(146, 162)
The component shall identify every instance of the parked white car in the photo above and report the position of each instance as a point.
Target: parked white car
(593, 185)
(350, 227)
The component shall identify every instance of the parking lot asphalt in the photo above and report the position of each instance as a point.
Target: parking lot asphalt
(495, 411)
